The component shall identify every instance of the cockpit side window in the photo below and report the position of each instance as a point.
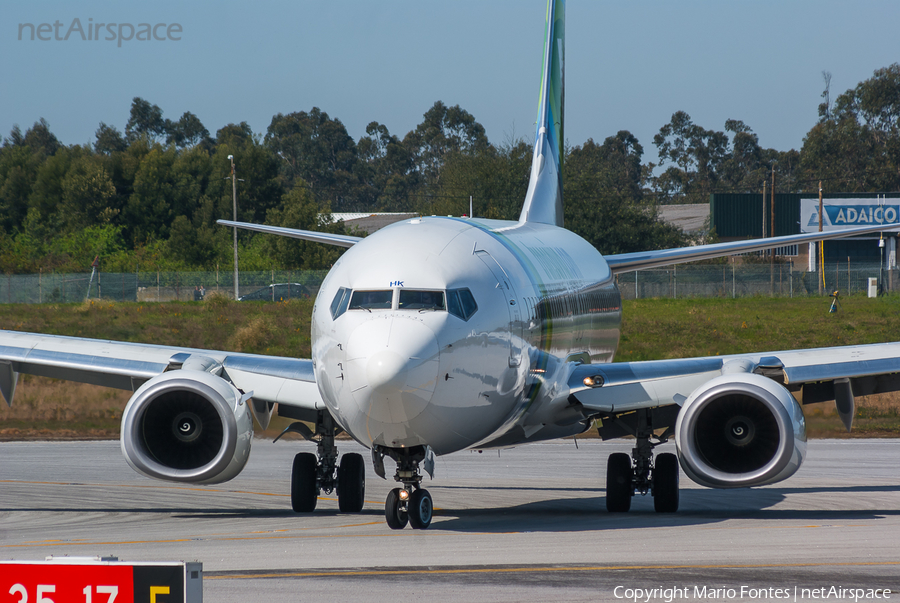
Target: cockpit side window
(339, 303)
(461, 303)
(453, 305)
(371, 300)
(420, 300)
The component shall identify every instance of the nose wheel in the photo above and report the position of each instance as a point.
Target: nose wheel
(410, 505)
(402, 508)
(395, 510)
(421, 508)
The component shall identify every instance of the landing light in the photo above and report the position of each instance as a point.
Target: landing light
(595, 381)
(404, 494)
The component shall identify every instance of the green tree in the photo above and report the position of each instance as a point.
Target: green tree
(46, 214)
(234, 135)
(496, 178)
(18, 170)
(856, 144)
(149, 210)
(41, 140)
(88, 195)
(259, 186)
(603, 198)
(299, 209)
(145, 120)
(696, 155)
(387, 169)
(318, 150)
(196, 245)
(614, 168)
(444, 130)
(109, 140)
(188, 131)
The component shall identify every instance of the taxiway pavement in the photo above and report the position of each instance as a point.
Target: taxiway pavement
(527, 524)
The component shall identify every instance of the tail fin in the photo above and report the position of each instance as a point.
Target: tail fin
(544, 199)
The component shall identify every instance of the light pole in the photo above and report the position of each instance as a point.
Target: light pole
(880, 247)
(234, 199)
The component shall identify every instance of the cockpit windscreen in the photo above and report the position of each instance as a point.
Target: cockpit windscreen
(411, 299)
(371, 300)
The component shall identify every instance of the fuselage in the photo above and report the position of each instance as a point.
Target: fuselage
(454, 333)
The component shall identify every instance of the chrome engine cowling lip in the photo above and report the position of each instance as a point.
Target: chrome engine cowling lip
(219, 393)
(774, 397)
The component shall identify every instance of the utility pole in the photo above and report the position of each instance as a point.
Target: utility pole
(772, 251)
(880, 248)
(821, 244)
(764, 210)
(234, 199)
(773, 203)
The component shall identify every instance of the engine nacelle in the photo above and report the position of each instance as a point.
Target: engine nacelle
(740, 430)
(187, 426)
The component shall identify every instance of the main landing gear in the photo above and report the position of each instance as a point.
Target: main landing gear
(313, 474)
(627, 475)
(412, 504)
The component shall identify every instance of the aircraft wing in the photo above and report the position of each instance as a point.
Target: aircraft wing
(626, 262)
(294, 233)
(813, 375)
(288, 381)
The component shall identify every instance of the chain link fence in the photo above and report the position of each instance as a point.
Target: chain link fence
(144, 286)
(722, 280)
(742, 280)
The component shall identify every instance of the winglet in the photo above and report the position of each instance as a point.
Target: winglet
(544, 199)
(8, 380)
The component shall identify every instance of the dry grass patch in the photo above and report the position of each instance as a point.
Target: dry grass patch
(253, 337)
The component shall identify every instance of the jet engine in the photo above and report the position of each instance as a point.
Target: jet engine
(187, 426)
(740, 430)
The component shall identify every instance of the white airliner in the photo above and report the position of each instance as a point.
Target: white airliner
(436, 335)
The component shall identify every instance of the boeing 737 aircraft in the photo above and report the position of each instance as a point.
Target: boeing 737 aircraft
(436, 335)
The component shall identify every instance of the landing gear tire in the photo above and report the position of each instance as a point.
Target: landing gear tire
(421, 509)
(304, 492)
(665, 483)
(351, 486)
(396, 517)
(619, 483)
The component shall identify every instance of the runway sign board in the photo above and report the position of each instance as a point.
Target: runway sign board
(100, 580)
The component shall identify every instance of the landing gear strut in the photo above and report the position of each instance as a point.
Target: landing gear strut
(412, 503)
(626, 475)
(313, 474)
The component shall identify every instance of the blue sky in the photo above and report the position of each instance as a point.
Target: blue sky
(630, 64)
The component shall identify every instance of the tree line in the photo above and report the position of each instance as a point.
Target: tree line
(148, 197)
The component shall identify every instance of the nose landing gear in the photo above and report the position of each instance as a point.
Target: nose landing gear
(412, 504)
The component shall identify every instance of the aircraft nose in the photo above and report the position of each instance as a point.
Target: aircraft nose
(392, 367)
(386, 371)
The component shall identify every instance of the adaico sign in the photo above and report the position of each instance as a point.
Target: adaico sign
(847, 213)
